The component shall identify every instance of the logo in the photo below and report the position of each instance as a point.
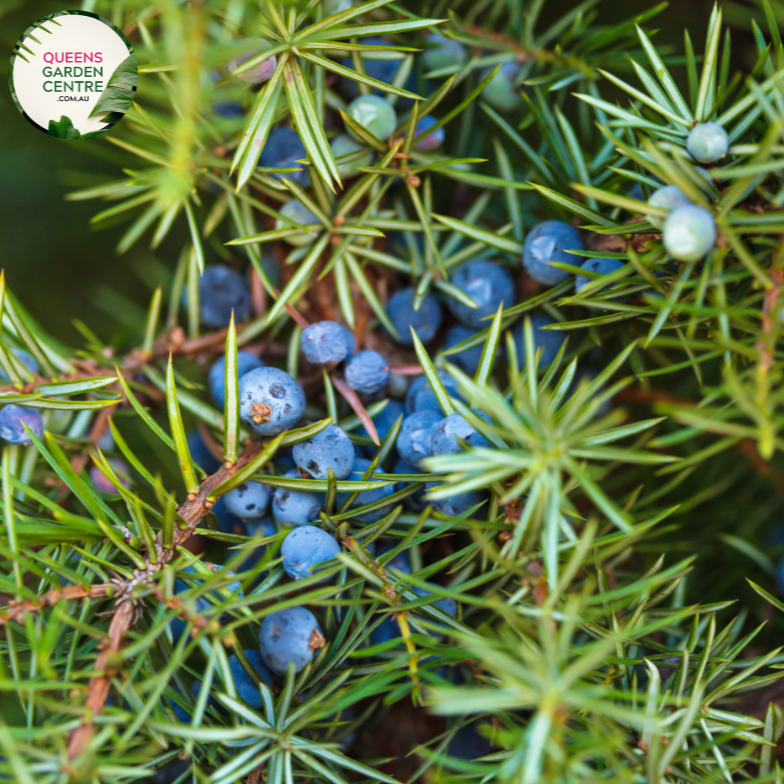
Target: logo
(73, 74)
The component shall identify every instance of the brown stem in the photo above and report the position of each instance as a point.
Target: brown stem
(128, 610)
(16, 610)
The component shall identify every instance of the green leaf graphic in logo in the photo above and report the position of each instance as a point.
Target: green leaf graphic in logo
(63, 129)
(119, 93)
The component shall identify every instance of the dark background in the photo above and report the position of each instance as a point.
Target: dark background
(61, 268)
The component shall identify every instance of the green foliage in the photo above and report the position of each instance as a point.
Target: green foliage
(590, 643)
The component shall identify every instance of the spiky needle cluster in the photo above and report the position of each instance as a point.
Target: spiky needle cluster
(550, 633)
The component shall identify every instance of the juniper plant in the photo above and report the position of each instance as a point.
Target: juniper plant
(538, 590)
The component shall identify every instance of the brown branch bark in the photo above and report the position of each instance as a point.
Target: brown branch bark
(16, 610)
(128, 610)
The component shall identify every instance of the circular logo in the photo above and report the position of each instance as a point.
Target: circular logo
(73, 74)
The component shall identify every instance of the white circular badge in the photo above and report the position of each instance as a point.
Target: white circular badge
(73, 74)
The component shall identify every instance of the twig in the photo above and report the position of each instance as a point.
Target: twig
(128, 610)
(17, 609)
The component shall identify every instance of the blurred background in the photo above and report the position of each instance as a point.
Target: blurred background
(59, 266)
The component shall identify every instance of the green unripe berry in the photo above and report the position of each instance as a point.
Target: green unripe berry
(374, 114)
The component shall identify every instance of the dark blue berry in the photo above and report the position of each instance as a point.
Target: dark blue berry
(243, 683)
(27, 359)
(468, 744)
(457, 504)
(327, 341)
(271, 401)
(296, 507)
(416, 500)
(414, 440)
(282, 150)
(304, 548)
(291, 636)
(331, 448)
(448, 430)
(382, 66)
(433, 140)
(228, 523)
(420, 395)
(549, 242)
(200, 453)
(221, 290)
(425, 322)
(217, 375)
(248, 501)
(367, 372)
(385, 419)
(489, 285)
(599, 267)
(13, 419)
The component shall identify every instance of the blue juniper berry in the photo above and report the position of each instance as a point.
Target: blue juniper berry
(26, 358)
(488, 284)
(599, 267)
(291, 636)
(327, 342)
(549, 242)
(445, 433)
(425, 322)
(248, 501)
(415, 439)
(247, 690)
(221, 291)
(271, 401)
(416, 500)
(457, 504)
(13, 419)
(296, 507)
(385, 420)
(468, 359)
(282, 150)
(367, 372)
(329, 449)
(216, 379)
(433, 140)
(304, 547)
(200, 453)
(420, 394)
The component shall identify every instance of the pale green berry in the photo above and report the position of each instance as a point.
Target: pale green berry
(689, 233)
(669, 197)
(374, 114)
(707, 142)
